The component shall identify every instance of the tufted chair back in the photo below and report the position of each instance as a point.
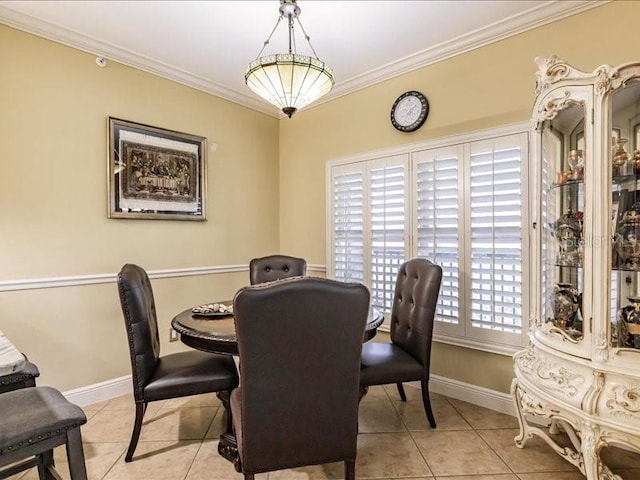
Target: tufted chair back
(139, 310)
(276, 267)
(414, 307)
(300, 341)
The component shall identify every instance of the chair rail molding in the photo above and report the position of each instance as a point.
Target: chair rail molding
(79, 280)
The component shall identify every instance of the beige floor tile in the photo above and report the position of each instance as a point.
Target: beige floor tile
(614, 457)
(98, 457)
(627, 473)
(110, 426)
(375, 393)
(552, 476)
(157, 461)
(116, 425)
(123, 402)
(483, 418)
(96, 406)
(326, 471)
(218, 425)
(194, 401)
(178, 424)
(536, 456)
(415, 419)
(412, 392)
(506, 476)
(458, 453)
(389, 455)
(208, 465)
(90, 413)
(379, 416)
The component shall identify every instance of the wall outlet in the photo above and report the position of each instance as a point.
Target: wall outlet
(173, 335)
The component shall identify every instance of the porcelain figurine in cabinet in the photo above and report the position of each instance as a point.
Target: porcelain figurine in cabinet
(580, 374)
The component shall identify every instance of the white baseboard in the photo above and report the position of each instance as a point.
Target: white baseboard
(99, 392)
(483, 397)
(491, 399)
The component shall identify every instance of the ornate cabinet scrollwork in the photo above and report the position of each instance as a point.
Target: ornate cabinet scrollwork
(581, 371)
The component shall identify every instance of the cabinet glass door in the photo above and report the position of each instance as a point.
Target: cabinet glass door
(563, 175)
(624, 163)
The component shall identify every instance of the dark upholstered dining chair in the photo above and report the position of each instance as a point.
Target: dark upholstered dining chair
(171, 376)
(23, 378)
(276, 267)
(34, 421)
(299, 341)
(407, 358)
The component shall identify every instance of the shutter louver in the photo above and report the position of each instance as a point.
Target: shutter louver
(438, 241)
(496, 240)
(348, 208)
(387, 213)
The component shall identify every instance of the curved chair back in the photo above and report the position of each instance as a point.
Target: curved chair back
(139, 310)
(414, 307)
(300, 342)
(276, 267)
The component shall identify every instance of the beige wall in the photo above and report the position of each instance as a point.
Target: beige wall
(54, 104)
(487, 87)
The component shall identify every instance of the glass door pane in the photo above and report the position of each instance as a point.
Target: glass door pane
(563, 175)
(625, 258)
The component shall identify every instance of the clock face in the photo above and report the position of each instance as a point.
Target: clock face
(409, 111)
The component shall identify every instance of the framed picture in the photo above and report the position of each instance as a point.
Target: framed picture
(155, 173)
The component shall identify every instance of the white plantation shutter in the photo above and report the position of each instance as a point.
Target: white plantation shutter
(387, 205)
(437, 175)
(496, 224)
(348, 228)
(462, 206)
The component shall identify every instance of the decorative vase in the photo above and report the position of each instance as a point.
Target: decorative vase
(636, 161)
(566, 303)
(627, 238)
(576, 163)
(620, 158)
(628, 324)
(568, 233)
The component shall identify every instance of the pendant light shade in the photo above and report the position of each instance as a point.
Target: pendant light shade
(288, 80)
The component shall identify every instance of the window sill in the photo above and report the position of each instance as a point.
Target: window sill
(498, 349)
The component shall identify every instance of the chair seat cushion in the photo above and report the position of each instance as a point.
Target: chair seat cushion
(191, 373)
(34, 414)
(383, 363)
(26, 372)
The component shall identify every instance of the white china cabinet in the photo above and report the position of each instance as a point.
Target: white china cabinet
(581, 370)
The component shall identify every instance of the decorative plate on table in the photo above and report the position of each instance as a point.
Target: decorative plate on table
(213, 310)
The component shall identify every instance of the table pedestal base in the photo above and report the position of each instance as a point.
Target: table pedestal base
(228, 446)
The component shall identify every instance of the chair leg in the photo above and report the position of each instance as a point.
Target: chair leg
(403, 397)
(248, 476)
(426, 400)
(135, 435)
(75, 455)
(45, 461)
(350, 469)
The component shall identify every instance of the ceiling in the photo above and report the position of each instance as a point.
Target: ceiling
(208, 44)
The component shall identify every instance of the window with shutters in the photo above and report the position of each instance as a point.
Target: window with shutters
(368, 238)
(461, 203)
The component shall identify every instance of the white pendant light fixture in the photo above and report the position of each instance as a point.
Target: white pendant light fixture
(288, 80)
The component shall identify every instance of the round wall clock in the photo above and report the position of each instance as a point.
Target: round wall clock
(409, 111)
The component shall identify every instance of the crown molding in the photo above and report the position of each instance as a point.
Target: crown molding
(547, 13)
(71, 38)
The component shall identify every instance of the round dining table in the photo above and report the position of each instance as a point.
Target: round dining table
(217, 333)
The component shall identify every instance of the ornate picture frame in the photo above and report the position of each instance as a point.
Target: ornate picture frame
(154, 173)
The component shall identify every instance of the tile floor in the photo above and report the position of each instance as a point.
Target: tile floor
(179, 442)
